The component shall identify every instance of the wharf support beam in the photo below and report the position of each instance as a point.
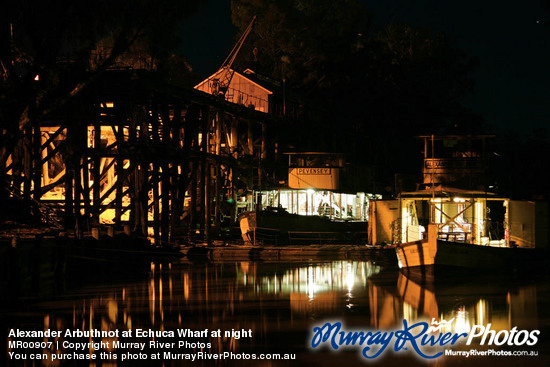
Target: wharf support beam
(165, 164)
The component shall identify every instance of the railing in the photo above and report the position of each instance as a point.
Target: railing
(269, 236)
(260, 236)
(395, 227)
(456, 233)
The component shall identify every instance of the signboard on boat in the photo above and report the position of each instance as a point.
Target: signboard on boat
(324, 178)
(313, 171)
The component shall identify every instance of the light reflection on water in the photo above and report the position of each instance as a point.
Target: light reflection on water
(280, 302)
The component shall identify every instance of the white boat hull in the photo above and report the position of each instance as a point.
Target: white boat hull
(434, 252)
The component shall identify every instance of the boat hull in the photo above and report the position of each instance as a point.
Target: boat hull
(486, 257)
(284, 228)
(447, 254)
(414, 254)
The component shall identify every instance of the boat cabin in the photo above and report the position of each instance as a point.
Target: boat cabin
(314, 170)
(313, 188)
(459, 216)
(465, 216)
(453, 196)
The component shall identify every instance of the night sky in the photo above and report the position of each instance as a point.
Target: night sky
(208, 36)
(510, 40)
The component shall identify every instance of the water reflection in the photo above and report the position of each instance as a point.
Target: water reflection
(280, 302)
(469, 301)
(312, 289)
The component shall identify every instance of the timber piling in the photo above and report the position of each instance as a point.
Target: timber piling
(136, 156)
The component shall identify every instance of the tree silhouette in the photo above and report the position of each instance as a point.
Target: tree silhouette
(369, 89)
(50, 51)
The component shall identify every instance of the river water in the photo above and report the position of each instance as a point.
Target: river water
(266, 308)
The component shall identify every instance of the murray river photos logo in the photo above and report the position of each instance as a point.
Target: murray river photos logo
(425, 339)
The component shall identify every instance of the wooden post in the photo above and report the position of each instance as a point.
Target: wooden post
(27, 163)
(77, 190)
(218, 198)
(155, 181)
(191, 147)
(69, 174)
(264, 142)
(36, 169)
(205, 176)
(202, 187)
(207, 203)
(165, 203)
(142, 198)
(44, 167)
(193, 193)
(96, 208)
(120, 175)
(177, 196)
(135, 215)
(233, 195)
(16, 167)
(178, 180)
(132, 177)
(234, 137)
(86, 188)
(217, 175)
(250, 139)
(69, 204)
(218, 135)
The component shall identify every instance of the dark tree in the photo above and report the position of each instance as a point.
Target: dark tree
(50, 51)
(369, 90)
(300, 41)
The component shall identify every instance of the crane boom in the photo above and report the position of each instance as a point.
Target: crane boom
(220, 84)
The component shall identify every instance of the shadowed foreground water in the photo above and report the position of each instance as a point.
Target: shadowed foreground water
(279, 302)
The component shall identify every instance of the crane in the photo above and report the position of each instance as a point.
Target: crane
(221, 82)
